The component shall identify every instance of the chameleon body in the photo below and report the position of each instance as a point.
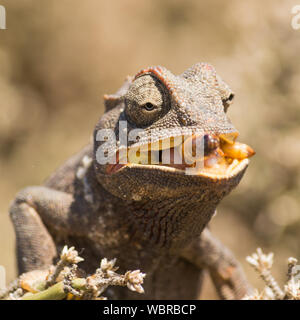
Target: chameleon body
(150, 217)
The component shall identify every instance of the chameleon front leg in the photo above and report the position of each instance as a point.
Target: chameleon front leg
(32, 208)
(225, 271)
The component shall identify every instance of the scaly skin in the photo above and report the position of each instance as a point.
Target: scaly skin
(147, 216)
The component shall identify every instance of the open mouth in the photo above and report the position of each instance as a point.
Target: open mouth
(208, 155)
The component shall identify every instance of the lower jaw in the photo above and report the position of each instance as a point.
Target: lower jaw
(211, 172)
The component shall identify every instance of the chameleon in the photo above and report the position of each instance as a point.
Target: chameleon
(115, 198)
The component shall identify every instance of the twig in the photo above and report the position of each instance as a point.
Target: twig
(64, 281)
(262, 263)
(68, 257)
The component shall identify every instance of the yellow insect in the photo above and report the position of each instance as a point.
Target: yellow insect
(237, 150)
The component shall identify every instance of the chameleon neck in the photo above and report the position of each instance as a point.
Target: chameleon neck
(165, 222)
(170, 223)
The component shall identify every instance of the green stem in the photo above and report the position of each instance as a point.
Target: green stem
(55, 292)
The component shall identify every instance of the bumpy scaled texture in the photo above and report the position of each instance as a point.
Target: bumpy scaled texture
(148, 217)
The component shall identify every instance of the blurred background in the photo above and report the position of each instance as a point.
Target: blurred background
(58, 58)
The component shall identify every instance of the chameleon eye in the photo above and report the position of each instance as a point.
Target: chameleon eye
(149, 106)
(227, 101)
(230, 98)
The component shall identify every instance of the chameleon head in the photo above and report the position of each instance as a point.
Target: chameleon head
(168, 136)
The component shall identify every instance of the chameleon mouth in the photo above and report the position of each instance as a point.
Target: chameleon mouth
(214, 156)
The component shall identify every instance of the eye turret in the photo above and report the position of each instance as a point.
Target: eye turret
(145, 101)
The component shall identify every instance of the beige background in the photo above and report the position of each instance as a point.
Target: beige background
(58, 58)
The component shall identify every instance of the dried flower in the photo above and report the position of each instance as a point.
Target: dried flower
(266, 294)
(70, 255)
(292, 289)
(261, 261)
(135, 280)
(262, 264)
(108, 265)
